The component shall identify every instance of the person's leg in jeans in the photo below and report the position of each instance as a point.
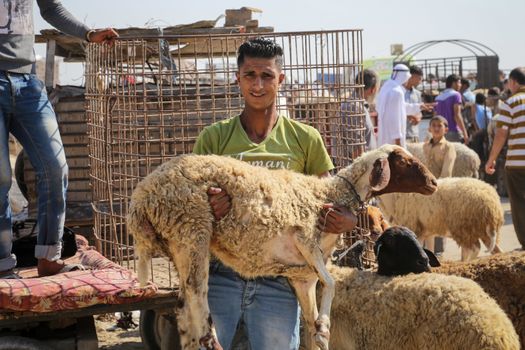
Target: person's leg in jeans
(271, 314)
(7, 260)
(516, 191)
(35, 126)
(225, 294)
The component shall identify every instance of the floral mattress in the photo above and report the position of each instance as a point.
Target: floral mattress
(103, 283)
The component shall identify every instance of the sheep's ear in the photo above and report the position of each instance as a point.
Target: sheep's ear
(432, 259)
(380, 175)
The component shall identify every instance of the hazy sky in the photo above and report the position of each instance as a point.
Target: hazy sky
(499, 25)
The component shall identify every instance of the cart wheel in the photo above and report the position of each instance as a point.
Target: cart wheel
(152, 327)
(22, 343)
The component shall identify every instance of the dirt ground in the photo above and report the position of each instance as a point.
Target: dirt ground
(112, 338)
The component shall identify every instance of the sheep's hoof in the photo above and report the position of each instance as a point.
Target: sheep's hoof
(208, 342)
(322, 341)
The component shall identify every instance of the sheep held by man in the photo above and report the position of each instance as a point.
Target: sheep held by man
(466, 164)
(270, 230)
(415, 311)
(467, 210)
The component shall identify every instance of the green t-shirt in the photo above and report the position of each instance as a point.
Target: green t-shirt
(290, 145)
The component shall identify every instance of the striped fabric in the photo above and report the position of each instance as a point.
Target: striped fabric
(512, 116)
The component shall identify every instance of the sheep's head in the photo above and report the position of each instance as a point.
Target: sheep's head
(376, 222)
(400, 172)
(398, 252)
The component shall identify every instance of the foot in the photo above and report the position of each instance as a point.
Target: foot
(9, 274)
(49, 268)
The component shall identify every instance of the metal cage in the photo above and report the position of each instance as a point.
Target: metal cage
(148, 98)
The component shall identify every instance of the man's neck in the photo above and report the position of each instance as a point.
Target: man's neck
(436, 140)
(258, 124)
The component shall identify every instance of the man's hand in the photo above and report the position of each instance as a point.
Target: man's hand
(427, 107)
(106, 36)
(413, 119)
(490, 167)
(220, 202)
(336, 219)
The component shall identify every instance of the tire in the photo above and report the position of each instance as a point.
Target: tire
(151, 327)
(22, 343)
(19, 175)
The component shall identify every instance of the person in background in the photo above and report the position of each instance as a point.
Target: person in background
(440, 155)
(392, 110)
(466, 94)
(266, 308)
(511, 124)
(370, 81)
(449, 103)
(413, 96)
(25, 112)
(482, 114)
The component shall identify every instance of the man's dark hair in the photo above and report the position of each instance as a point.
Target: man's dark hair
(440, 119)
(451, 79)
(465, 83)
(369, 79)
(518, 74)
(416, 70)
(480, 99)
(260, 48)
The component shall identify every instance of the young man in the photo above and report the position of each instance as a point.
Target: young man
(267, 306)
(449, 103)
(511, 121)
(413, 96)
(26, 112)
(440, 155)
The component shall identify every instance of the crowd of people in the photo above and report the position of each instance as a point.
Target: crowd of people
(483, 119)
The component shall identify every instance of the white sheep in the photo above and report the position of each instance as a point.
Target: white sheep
(270, 230)
(467, 210)
(502, 276)
(466, 164)
(416, 311)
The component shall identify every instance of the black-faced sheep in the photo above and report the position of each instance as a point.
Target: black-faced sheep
(467, 210)
(467, 160)
(502, 276)
(416, 311)
(270, 230)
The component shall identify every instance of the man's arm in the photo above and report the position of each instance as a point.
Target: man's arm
(499, 142)
(60, 18)
(459, 121)
(448, 161)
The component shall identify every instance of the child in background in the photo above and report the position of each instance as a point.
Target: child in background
(440, 155)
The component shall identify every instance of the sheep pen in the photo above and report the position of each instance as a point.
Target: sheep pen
(269, 231)
(467, 210)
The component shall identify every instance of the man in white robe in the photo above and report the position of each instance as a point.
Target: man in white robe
(392, 109)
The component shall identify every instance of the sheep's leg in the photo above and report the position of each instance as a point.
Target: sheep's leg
(314, 257)
(305, 292)
(194, 319)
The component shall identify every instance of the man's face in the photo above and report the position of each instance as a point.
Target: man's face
(456, 85)
(259, 80)
(513, 86)
(414, 80)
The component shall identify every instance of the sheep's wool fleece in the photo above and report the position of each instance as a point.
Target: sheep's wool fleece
(265, 204)
(466, 164)
(413, 312)
(502, 276)
(465, 209)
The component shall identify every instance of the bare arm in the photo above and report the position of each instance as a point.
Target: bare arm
(499, 142)
(459, 120)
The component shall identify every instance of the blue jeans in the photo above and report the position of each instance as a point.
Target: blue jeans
(267, 306)
(25, 112)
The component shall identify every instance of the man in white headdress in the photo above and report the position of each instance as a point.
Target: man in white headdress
(392, 110)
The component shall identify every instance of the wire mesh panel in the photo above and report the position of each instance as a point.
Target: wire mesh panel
(148, 98)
